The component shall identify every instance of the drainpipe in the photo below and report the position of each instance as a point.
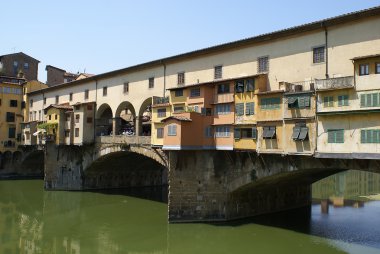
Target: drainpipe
(327, 50)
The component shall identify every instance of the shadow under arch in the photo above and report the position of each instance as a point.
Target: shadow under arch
(144, 117)
(125, 169)
(103, 120)
(33, 163)
(125, 116)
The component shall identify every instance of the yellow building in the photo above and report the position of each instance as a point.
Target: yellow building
(55, 127)
(246, 106)
(161, 109)
(11, 101)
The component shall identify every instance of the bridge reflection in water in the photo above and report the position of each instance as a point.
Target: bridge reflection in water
(34, 221)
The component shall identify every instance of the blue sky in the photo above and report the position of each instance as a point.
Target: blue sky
(101, 36)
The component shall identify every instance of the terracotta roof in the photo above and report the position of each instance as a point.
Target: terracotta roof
(80, 103)
(271, 92)
(64, 107)
(313, 26)
(364, 57)
(178, 118)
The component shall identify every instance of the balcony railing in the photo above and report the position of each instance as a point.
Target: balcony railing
(160, 100)
(334, 83)
(294, 87)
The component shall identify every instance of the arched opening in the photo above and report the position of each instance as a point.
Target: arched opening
(125, 118)
(6, 161)
(104, 120)
(121, 170)
(33, 163)
(144, 118)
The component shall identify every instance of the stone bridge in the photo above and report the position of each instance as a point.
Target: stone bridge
(203, 185)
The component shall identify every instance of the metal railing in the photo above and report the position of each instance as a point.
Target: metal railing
(122, 139)
(334, 83)
(160, 100)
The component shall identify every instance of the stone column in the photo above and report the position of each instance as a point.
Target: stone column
(115, 126)
(138, 125)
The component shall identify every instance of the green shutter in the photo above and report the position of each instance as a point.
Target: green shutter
(254, 133)
(331, 101)
(237, 133)
(363, 136)
(325, 102)
(239, 108)
(339, 136)
(362, 100)
(375, 100)
(301, 102)
(340, 100)
(307, 101)
(369, 100)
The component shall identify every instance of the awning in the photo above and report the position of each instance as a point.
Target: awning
(36, 133)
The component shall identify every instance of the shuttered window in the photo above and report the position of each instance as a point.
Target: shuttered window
(250, 85)
(370, 100)
(195, 92)
(342, 100)
(239, 107)
(250, 108)
(161, 112)
(239, 86)
(245, 133)
(222, 131)
(270, 103)
(223, 109)
(269, 132)
(160, 132)
(208, 132)
(237, 133)
(335, 136)
(370, 136)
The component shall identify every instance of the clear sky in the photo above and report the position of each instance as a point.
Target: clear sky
(104, 35)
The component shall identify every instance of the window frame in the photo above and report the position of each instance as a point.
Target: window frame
(181, 78)
(197, 94)
(263, 64)
(218, 71)
(160, 132)
(333, 139)
(318, 56)
(343, 100)
(126, 87)
(178, 93)
(151, 82)
(161, 112)
(105, 91)
(365, 71)
(377, 68)
(172, 130)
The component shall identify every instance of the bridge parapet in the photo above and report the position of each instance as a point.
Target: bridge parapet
(121, 139)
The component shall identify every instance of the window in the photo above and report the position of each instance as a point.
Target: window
(89, 107)
(270, 103)
(104, 91)
(263, 64)
(12, 132)
(250, 85)
(179, 109)
(363, 69)
(223, 109)
(181, 78)
(328, 101)
(31, 103)
(26, 66)
(245, 133)
(298, 102)
(76, 132)
(319, 54)
(68, 118)
(369, 100)
(239, 86)
(239, 109)
(160, 132)
(77, 117)
(342, 100)
(223, 88)
(10, 117)
(89, 120)
(30, 116)
(49, 117)
(151, 82)
(67, 133)
(172, 130)
(222, 131)
(206, 111)
(370, 136)
(218, 72)
(250, 108)
(300, 132)
(196, 108)
(70, 96)
(178, 93)
(161, 112)
(56, 99)
(55, 116)
(377, 68)
(335, 136)
(86, 92)
(44, 100)
(195, 92)
(13, 103)
(15, 67)
(126, 87)
(269, 132)
(39, 115)
(208, 132)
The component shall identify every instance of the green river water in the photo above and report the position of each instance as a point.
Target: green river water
(35, 221)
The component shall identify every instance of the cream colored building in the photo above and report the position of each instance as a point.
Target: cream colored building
(320, 52)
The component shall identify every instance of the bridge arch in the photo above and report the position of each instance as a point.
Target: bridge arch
(125, 116)
(104, 118)
(144, 117)
(117, 166)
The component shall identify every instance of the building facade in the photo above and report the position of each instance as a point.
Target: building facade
(14, 65)
(288, 92)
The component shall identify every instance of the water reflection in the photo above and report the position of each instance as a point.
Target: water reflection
(35, 221)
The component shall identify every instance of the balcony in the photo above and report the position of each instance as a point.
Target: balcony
(296, 87)
(335, 83)
(160, 100)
